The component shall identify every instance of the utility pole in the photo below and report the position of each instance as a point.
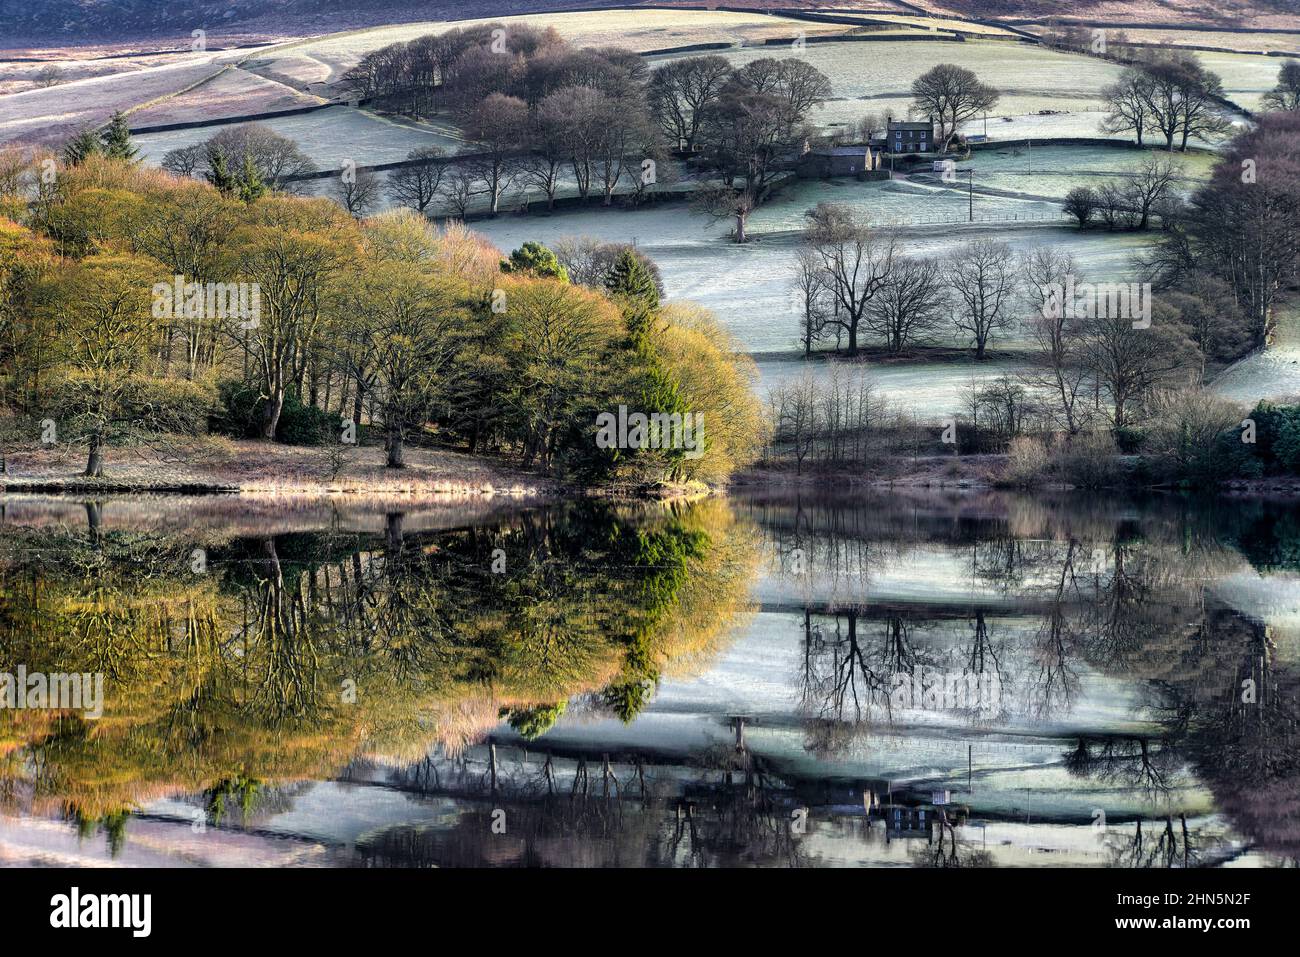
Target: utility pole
(970, 192)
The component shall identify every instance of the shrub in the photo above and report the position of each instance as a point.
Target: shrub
(240, 415)
(170, 405)
(1087, 461)
(1188, 433)
(1081, 203)
(1129, 440)
(302, 424)
(237, 408)
(1277, 437)
(145, 404)
(1026, 464)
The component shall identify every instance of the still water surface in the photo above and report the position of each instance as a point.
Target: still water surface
(761, 680)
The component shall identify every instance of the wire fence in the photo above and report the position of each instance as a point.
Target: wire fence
(967, 220)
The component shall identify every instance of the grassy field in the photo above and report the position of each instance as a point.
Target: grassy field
(877, 77)
(320, 61)
(1246, 78)
(940, 24)
(749, 287)
(51, 115)
(1271, 374)
(1241, 42)
(1119, 13)
(328, 136)
(233, 92)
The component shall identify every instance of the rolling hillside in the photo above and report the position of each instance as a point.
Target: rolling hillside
(50, 22)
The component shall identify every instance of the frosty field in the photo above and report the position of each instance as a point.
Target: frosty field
(876, 76)
(325, 59)
(232, 93)
(749, 286)
(328, 136)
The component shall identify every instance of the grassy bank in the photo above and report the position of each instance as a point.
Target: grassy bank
(213, 464)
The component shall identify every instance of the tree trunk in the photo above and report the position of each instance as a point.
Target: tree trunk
(271, 415)
(740, 227)
(393, 535)
(95, 460)
(396, 449)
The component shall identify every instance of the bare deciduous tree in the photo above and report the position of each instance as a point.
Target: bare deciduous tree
(814, 301)
(1059, 371)
(911, 305)
(417, 185)
(1128, 102)
(951, 95)
(983, 280)
(1286, 95)
(855, 265)
(680, 91)
(498, 125)
(358, 191)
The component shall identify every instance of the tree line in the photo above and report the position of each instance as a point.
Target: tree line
(1171, 97)
(539, 112)
(388, 325)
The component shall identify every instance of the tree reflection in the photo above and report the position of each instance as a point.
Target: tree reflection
(285, 657)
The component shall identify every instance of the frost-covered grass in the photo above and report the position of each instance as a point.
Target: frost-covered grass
(233, 93)
(938, 23)
(1246, 77)
(53, 114)
(325, 59)
(749, 287)
(1273, 374)
(877, 77)
(328, 136)
(1054, 170)
(928, 391)
(1241, 42)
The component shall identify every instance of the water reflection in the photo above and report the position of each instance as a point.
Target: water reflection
(766, 680)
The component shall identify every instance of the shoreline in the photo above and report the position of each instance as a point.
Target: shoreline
(974, 473)
(977, 473)
(262, 471)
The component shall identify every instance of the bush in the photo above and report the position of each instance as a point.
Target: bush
(170, 405)
(237, 409)
(145, 404)
(1026, 464)
(1277, 437)
(1128, 440)
(302, 424)
(1087, 461)
(1194, 435)
(241, 409)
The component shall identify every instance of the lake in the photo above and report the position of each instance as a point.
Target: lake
(911, 678)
